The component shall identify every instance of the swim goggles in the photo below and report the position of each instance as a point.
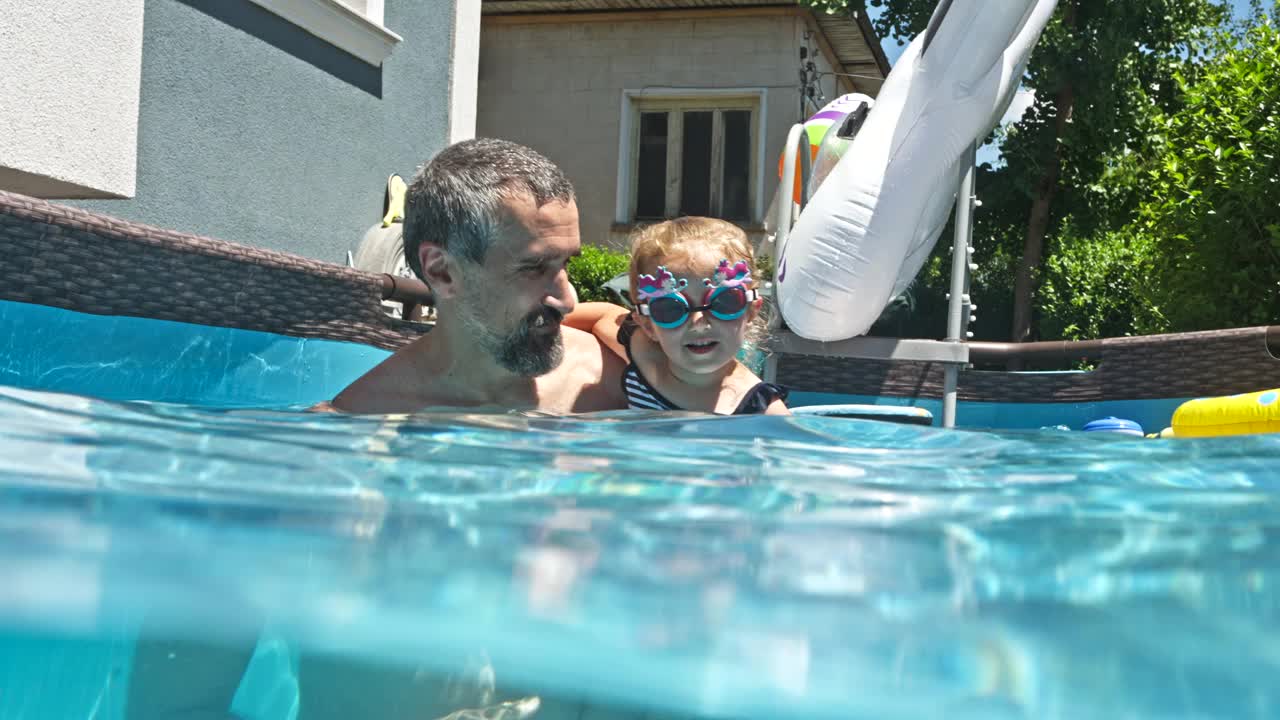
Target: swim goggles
(727, 296)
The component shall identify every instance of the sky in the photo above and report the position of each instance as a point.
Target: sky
(990, 152)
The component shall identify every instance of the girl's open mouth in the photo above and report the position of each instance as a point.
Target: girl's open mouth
(702, 348)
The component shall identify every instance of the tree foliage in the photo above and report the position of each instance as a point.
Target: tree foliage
(1138, 192)
(1098, 286)
(1210, 182)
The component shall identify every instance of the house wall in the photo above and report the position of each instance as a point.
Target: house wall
(252, 130)
(69, 96)
(558, 87)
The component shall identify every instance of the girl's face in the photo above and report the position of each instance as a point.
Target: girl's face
(703, 344)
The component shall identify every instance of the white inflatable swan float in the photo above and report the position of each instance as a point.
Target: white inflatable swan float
(874, 220)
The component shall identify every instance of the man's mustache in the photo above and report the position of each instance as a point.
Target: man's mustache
(545, 316)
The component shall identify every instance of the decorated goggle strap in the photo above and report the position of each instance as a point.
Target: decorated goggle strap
(725, 276)
(649, 287)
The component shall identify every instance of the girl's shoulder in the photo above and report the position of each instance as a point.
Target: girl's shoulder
(751, 394)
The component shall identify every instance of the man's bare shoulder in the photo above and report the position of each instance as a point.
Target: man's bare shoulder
(386, 388)
(581, 346)
(585, 355)
(594, 371)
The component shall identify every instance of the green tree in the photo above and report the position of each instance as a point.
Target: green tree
(1211, 176)
(1098, 73)
(1098, 286)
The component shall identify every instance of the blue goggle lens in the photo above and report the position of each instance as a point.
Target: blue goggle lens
(725, 304)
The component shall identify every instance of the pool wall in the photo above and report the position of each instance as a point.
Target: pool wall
(124, 358)
(1152, 415)
(1140, 378)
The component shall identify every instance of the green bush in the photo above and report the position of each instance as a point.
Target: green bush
(1098, 286)
(1213, 180)
(593, 268)
(764, 268)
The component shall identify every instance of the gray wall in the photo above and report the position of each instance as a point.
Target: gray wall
(558, 88)
(252, 130)
(69, 115)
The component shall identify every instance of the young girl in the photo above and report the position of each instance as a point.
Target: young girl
(695, 301)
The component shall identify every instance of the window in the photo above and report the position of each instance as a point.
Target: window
(691, 155)
(352, 25)
(370, 9)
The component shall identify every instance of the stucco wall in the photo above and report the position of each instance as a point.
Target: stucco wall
(69, 96)
(558, 87)
(253, 131)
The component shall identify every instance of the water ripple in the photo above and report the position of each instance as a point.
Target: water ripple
(813, 567)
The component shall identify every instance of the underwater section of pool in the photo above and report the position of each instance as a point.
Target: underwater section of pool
(1152, 415)
(128, 358)
(167, 560)
(125, 358)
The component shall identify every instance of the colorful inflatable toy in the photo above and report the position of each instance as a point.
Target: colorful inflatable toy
(1245, 414)
(817, 127)
(871, 225)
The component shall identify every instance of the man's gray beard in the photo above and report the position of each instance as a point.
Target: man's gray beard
(521, 352)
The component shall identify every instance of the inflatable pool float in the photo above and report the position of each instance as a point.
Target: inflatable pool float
(870, 227)
(817, 129)
(1111, 424)
(1245, 414)
(905, 415)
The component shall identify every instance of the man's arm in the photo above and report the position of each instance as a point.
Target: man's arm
(595, 375)
(389, 387)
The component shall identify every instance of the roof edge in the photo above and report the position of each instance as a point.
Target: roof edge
(863, 19)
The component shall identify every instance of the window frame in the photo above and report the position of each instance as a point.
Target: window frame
(356, 31)
(676, 101)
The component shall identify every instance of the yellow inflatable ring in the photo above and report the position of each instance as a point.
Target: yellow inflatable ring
(1246, 414)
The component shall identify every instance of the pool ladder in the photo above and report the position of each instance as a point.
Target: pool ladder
(952, 352)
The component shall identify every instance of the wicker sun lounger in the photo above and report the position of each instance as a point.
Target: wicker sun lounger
(78, 260)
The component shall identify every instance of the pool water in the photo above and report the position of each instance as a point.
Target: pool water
(281, 564)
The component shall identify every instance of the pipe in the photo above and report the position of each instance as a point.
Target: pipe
(1059, 351)
(1065, 351)
(410, 291)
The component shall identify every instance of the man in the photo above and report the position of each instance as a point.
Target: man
(490, 226)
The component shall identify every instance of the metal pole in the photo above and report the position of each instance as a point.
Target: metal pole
(796, 137)
(958, 301)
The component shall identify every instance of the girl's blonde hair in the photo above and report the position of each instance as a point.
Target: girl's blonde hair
(684, 240)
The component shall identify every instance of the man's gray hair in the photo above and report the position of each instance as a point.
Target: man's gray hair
(454, 201)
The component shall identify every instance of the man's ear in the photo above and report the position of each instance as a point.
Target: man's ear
(438, 270)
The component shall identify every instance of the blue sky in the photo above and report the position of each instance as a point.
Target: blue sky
(991, 153)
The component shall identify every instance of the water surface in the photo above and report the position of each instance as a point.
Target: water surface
(638, 565)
